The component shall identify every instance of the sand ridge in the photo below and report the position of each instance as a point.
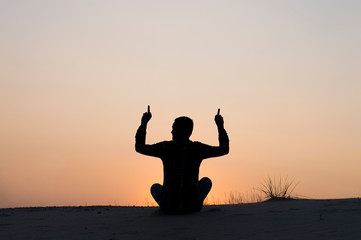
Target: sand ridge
(297, 219)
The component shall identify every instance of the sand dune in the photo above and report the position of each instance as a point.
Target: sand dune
(294, 219)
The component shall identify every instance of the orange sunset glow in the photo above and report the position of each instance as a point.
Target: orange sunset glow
(76, 77)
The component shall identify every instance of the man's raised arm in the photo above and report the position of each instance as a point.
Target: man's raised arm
(141, 132)
(222, 134)
(223, 148)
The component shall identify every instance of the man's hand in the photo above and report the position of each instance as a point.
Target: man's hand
(146, 116)
(219, 119)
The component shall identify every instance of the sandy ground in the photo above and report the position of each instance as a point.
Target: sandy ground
(295, 219)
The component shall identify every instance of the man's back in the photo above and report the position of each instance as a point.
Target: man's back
(181, 162)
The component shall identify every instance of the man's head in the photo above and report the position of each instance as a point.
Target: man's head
(182, 128)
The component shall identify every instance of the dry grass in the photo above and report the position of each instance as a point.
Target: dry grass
(281, 189)
(234, 198)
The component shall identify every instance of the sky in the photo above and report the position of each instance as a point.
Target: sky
(76, 77)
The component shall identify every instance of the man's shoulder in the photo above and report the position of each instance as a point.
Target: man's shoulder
(198, 144)
(189, 142)
(165, 143)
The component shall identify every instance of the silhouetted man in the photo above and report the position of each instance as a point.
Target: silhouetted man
(181, 191)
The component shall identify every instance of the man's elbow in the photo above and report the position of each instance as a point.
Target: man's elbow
(225, 150)
(139, 149)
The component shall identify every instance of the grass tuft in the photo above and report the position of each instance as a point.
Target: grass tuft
(278, 190)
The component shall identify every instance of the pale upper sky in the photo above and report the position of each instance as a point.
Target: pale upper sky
(76, 76)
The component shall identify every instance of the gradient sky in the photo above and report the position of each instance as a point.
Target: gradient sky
(76, 76)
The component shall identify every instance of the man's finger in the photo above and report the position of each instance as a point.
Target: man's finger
(219, 110)
(148, 108)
